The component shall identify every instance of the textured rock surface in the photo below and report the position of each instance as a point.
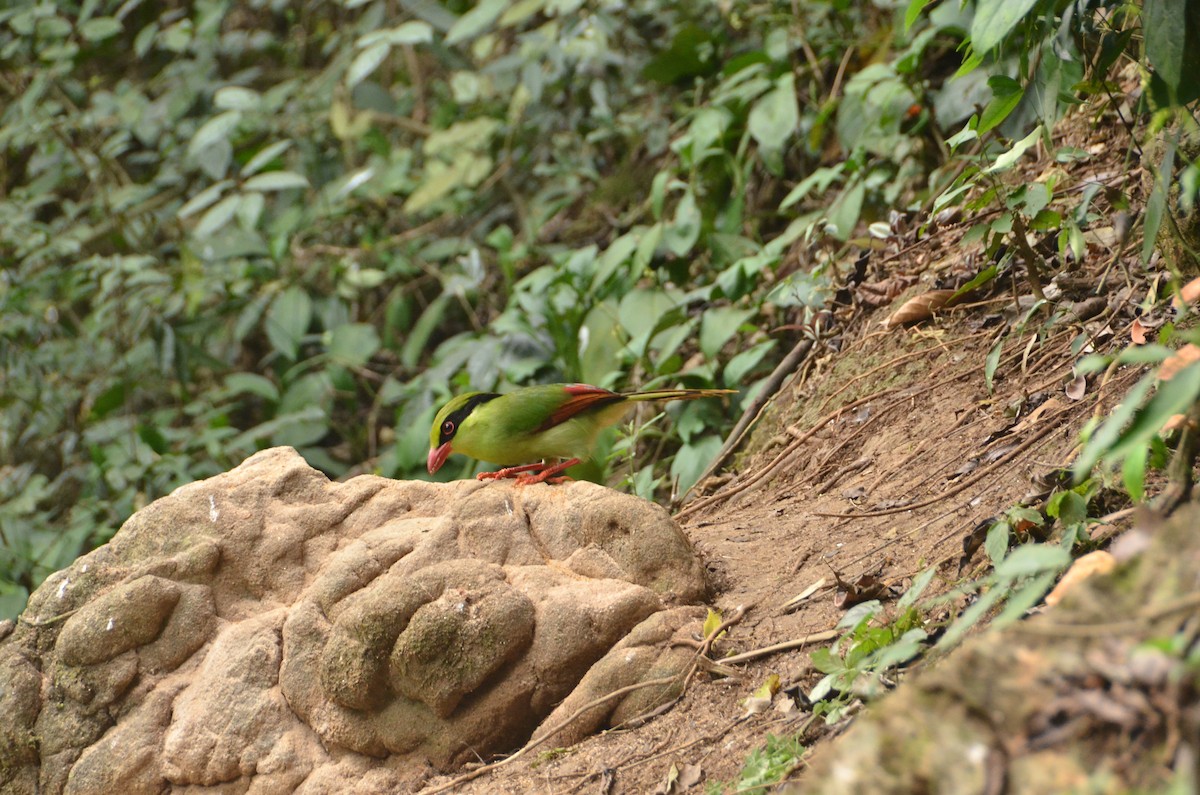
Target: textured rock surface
(269, 631)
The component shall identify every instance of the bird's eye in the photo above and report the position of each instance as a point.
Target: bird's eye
(447, 427)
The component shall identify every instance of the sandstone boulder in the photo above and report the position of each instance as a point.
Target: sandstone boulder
(267, 630)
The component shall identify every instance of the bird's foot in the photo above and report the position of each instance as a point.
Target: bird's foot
(529, 480)
(510, 472)
(549, 474)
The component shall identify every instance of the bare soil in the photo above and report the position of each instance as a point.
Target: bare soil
(878, 458)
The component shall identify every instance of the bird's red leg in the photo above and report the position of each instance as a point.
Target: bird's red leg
(510, 472)
(547, 474)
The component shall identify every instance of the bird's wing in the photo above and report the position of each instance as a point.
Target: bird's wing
(580, 398)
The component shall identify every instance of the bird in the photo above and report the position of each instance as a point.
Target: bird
(535, 424)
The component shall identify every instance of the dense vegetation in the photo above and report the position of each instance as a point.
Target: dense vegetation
(226, 226)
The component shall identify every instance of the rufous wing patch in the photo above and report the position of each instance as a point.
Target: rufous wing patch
(581, 397)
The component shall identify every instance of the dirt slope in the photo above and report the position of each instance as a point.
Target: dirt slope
(878, 458)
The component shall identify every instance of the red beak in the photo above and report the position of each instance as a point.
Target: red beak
(437, 457)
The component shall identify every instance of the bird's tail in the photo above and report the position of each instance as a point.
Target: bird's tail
(677, 394)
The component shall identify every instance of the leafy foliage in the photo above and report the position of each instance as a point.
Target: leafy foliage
(765, 766)
(268, 228)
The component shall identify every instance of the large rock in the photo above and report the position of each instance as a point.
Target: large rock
(267, 630)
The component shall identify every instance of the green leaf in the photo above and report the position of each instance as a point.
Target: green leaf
(100, 28)
(983, 277)
(692, 460)
(1046, 220)
(287, 321)
(844, 214)
(418, 339)
(264, 157)
(684, 231)
(1025, 597)
(204, 199)
(996, 545)
(1174, 397)
(640, 311)
(1030, 559)
(249, 209)
(276, 180)
(520, 11)
(818, 180)
(467, 170)
(775, 115)
(614, 257)
(353, 344)
(647, 246)
(994, 19)
(218, 216)
(860, 614)
(476, 21)
(1006, 95)
(971, 616)
(1156, 205)
(412, 32)
(1151, 353)
(991, 363)
(365, 62)
(1106, 437)
(1009, 158)
(824, 661)
(252, 383)
(237, 98)
(108, 401)
(718, 325)
(1133, 473)
(711, 621)
(1069, 507)
(1167, 26)
(1032, 198)
(744, 363)
(914, 592)
(213, 131)
(899, 651)
(915, 7)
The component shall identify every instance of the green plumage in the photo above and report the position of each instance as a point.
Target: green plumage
(535, 423)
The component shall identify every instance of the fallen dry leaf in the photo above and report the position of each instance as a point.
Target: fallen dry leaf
(1077, 388)
(786, 706)
(1186, 355)
(919, 308)
(1174, 422)
(1137, 332)
(689, 776)
(866, 587)
(807, 592)
(760, 700)
(1098, 562)
(1047, 407)
(876, 294)
(1188, 293)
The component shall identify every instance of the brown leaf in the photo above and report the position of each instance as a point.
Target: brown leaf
(794, 602)
(1174, 422)
(1077, 388)
(1186, 355)
(973, 541)
(1190, 291)
(1051, 405)
(1137, 332)
(1098, 562)
(866, 587)
(919, 308)
(876, 294)
(689, 776)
